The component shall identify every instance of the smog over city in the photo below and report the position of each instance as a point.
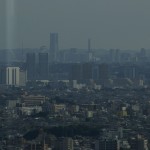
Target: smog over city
(74, 75)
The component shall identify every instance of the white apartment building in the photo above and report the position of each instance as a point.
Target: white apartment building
(12, 76)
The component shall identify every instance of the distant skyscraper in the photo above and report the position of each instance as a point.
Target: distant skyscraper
(53, 46)
(43, 66)
(31, 66)
(90, 53)
(89, 45)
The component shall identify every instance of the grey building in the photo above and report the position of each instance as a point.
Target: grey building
(3, 75)
(53, 46)
(31, 66)
(43, 66)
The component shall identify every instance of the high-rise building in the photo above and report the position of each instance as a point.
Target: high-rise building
(43, 66)
(31, 66)
(12, 76)
(90, 53)
(23, 77)
(53, 46)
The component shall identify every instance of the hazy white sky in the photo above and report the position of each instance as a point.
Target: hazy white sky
(121, 24)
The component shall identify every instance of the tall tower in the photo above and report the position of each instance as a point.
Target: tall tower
(89, 45)
(43, 66)
(31, 66)
(90, 54)
(53, 46)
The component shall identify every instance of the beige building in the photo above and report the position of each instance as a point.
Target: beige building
(58, 107)
(33, 100)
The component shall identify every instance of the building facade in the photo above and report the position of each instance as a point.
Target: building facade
(43, 66)
(13, 76)
(31, 66)
(53, 47)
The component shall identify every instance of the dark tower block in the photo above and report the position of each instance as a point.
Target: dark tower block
(31, 66)
(43, 66)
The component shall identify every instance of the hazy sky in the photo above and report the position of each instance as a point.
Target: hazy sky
(121, 24)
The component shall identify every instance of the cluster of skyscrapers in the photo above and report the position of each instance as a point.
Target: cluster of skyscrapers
(71, 64)
(41, 70)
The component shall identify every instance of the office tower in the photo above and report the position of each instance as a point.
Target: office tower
(53, 46)
(43, 66)
(90, 54)
(89, 45)
(31, 66)
(12, 76)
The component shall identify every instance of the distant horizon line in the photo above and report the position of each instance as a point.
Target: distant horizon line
(35, 48)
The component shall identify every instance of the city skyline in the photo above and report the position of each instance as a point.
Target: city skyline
(74, 75)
